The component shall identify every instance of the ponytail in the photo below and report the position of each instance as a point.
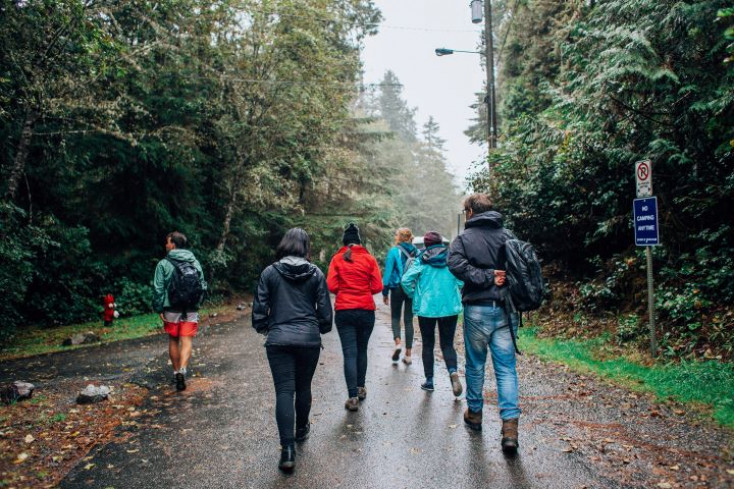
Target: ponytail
(348, 253)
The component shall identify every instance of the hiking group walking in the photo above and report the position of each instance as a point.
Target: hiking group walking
(292, 308)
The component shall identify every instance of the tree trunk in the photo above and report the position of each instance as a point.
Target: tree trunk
(21, 155)
(227, 221)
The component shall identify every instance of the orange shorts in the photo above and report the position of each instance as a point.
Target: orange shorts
(182, 328)
(176, 325)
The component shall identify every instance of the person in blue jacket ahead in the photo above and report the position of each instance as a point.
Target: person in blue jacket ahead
(436, 295)
(393, 294)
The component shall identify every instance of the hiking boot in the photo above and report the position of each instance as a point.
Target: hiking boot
(407, 360)
(509, 436)
(427, 386)
(361, 393)
(352, 404)
(302, 434)
(287, 459)
(456, 384)
(396, 354)
(473, 419)
(180, 382)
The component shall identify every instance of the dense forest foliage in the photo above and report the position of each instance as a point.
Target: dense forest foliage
(586, 89)
(230, 121)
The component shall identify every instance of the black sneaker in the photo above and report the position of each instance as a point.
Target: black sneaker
(287, 459)
(180, 382)
(427, 386)
(302, 434)
(396, 354)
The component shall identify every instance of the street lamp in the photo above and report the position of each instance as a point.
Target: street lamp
(445, 51)
(489, 99)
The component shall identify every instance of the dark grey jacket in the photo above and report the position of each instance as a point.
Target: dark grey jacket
(476, 253)
(292, 304)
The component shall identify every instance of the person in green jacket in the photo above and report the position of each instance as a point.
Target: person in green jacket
(179, 313)
(436, 296)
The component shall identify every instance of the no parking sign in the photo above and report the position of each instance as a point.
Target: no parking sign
(643, 175)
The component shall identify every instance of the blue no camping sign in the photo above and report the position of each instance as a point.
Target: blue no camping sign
(646, 221)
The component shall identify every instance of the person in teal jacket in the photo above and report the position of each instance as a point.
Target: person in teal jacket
(436, 295)
(393, 294)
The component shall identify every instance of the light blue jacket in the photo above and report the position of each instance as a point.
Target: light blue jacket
(435, 291)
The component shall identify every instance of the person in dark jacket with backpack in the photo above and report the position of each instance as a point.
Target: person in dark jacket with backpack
(476, 258)
(393, 294)
(293, 309)
(178, 289)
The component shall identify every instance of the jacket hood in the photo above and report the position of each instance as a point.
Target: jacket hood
(408, 247)
(181, 255)
(492, 219)
(435, 255)
(295, 268)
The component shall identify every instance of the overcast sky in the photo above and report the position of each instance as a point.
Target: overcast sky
(443, 87)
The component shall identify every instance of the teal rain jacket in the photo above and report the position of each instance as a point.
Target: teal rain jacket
(394, 263)
(434, 289)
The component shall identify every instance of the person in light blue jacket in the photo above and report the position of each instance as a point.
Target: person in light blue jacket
(436, 295)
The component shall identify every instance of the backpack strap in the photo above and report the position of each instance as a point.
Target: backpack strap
(402, 250)
(509, 309)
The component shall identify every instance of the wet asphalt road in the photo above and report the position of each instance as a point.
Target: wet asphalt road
(221, 432)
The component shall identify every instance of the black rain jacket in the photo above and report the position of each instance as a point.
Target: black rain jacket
(476, 253)
(292, 304)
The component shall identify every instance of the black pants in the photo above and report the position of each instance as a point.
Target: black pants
(293, 368)
(400, 302)
(446, 331)
(354, 327)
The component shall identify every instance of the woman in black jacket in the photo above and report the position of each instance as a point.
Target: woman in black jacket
(292, 308)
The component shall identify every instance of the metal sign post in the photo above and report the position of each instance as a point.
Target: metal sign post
(647, 234)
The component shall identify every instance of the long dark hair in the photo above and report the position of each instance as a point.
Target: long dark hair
(295, 242)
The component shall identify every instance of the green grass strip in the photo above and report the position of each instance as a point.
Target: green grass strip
(708, 383)
(37, 340)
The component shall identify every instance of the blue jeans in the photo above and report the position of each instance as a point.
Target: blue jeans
(486, 326)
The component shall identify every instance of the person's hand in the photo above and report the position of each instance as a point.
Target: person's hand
(162, 318)
(386, 300)
(500, 277)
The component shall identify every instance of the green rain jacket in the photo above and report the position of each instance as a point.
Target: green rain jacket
(162, 278)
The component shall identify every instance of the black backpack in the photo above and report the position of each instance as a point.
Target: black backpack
(524, 276)
(185, 291)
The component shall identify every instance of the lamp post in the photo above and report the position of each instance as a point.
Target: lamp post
(489, 99)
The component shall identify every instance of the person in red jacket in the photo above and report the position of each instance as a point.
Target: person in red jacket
(355, 278)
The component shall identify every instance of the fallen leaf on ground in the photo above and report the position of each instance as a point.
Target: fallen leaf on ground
(89, 466)
(664, 485)
(21, 458)
(29, 439)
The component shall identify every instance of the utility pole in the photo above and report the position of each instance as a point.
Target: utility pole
(490, 99)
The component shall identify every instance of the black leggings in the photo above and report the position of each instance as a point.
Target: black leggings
(446, 331)
(293, 368)
(401, 305)
(354, 327)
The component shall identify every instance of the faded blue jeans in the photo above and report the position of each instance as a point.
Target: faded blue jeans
(486, 327)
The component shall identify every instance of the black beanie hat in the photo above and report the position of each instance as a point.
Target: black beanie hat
(351, 235)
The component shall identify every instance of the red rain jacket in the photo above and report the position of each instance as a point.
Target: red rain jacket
(355, 282)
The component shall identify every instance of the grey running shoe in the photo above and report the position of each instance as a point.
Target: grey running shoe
(456, 384)
(352, 404)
